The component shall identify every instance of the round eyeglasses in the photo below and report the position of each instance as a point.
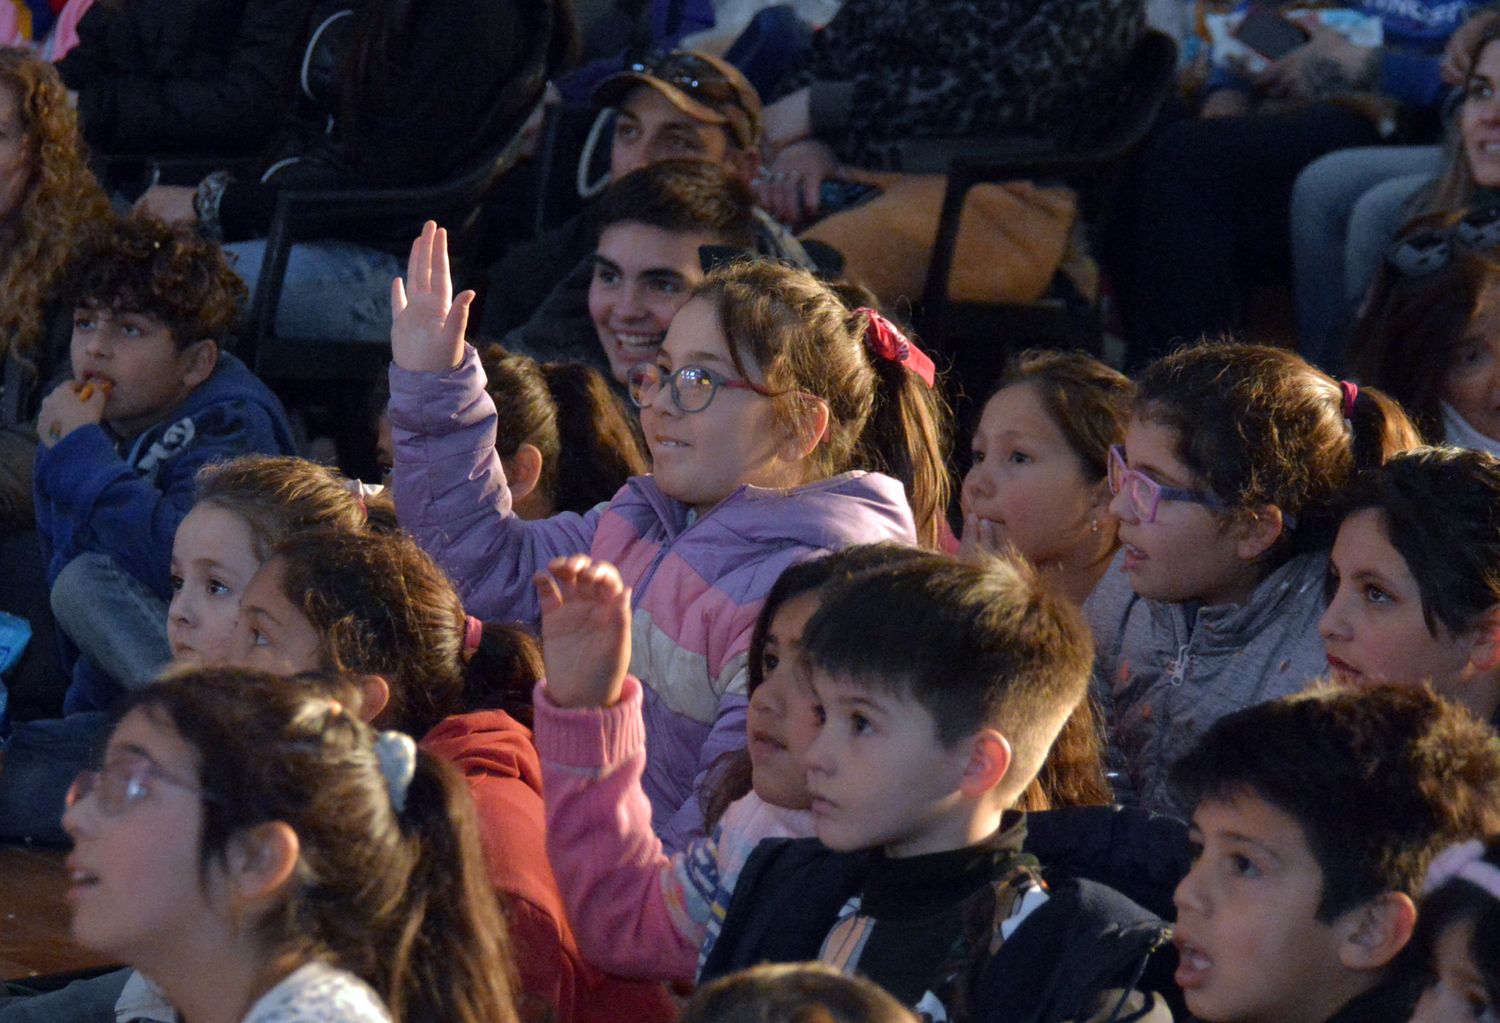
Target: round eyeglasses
(1145, 494)
(122, 782)
(693, 387)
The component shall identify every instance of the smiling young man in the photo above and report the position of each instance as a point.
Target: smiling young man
(681, 105)
(651, 225)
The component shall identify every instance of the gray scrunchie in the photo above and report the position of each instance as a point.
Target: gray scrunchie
(397, 754)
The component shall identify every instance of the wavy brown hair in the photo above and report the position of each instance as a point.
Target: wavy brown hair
(62, 198)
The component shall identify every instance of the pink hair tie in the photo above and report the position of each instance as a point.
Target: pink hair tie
(473, 633)
(1350, 390)
(1463, 862)
(887, 342)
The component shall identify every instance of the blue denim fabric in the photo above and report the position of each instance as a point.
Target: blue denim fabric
(41, 760)
(334, 291)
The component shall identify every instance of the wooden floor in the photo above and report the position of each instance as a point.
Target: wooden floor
(34, 915)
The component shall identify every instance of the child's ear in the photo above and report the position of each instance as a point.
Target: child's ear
(374, 697)
(988, 763)
(1376, 931)
(807, 431)
(260, 861)
(522, 470)
(1257, 530)
(197, 361)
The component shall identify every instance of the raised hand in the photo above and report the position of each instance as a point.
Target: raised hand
(427, 321)
(585, 631)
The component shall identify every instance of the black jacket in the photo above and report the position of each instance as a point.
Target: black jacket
(1078, 956)
(175, 76)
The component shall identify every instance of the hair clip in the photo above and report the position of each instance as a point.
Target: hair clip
(1463, 862)
(397, 754)
(1350, 390)
(887, 342)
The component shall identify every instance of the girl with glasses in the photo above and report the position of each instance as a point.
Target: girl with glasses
(779, 424)
(1224, 488)
(263, 856)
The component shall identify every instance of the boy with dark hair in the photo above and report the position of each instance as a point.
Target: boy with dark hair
(614, 309)
(680, 105)
(942, 686)
(151, 400)
(1314, 819)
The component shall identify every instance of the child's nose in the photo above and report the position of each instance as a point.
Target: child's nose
(1189, 894)
(1121, 507)
(1332, 624)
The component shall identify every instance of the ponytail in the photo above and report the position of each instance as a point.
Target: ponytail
(599, 450)
(905, 437)
(1381, 428)
(449, 948)
(881, 416)
(503, 672)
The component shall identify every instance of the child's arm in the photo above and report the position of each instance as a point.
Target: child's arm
(635, 912)
(448, 484)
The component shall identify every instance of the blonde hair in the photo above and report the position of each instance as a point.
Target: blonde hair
(61, 199)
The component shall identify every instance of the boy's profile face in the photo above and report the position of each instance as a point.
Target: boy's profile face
(138, 358)
(879, 776)
(1252, 949)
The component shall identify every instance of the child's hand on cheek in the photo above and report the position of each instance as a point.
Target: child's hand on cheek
(585, 631)
(427, 321)
(70, 406)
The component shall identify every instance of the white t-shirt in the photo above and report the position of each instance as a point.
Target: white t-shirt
(313, 993)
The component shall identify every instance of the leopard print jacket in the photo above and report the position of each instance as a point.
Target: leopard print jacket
(924, 68)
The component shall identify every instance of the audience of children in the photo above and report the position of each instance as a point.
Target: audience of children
(1415, 599)
(261, 854)
(764, 399)
(1299, 902)
(1224, 488)
(868, 775)
(1458, 934)
(1039, 482)
(1428, 336)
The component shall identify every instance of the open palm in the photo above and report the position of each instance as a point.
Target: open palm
(585, 631)
(427, 322)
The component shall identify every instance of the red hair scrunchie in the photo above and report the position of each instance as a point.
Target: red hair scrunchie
(887, 342)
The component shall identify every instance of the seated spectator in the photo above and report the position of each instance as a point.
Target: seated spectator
(379, 107)
(1415, 577)
(184, 76)
(933, 725)
(48, 198)
(881, 78)
(263, 855)
(152, 400)
(612, 311)
(678, 105)
(1209, 209)
(1298, 905)
(1349, 205)
(379, 607)
(1458, 934)
(1430, 335)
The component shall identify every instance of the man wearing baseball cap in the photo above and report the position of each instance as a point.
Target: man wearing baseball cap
(676, 105)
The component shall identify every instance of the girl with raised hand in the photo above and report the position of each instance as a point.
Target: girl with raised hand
(611, 868)
(377, 607)
(766, 401)
(1414, 578)
(263, 856)
(1226, 489)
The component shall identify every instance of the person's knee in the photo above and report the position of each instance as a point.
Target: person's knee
(75, 593)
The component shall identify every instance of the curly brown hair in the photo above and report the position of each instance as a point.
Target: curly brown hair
(62, 199)
(169, 272)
